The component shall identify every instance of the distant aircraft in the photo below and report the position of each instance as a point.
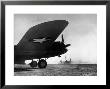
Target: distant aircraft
(39, 43)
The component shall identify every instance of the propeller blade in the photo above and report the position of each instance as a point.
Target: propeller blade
(62, 38)
(67, 45)
(63, 42)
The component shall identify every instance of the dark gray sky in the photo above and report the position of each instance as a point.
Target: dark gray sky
(81, 33)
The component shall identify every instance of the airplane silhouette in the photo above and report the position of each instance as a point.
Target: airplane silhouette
(39, 43)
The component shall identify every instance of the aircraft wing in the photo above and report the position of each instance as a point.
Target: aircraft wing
(42, 35)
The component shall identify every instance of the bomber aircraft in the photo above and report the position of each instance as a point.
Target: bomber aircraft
(39, 43)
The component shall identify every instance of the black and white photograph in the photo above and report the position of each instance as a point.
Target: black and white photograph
(55, 44)
(52, 43)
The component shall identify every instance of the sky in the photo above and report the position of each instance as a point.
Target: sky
(81, 33)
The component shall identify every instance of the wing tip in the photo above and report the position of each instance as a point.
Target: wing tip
(63, 21)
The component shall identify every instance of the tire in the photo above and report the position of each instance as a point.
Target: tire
(33, 64)
(42, 63)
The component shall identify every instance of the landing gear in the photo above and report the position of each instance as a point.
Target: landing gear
(42, 63)
(33, 64)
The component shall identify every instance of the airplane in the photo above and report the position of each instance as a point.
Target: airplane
(39, 43)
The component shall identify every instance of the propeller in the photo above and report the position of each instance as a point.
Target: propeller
(64, 42)
(62, 38)
(67, 45)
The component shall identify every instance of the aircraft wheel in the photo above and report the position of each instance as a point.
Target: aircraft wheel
(33, 64)
(42, 63)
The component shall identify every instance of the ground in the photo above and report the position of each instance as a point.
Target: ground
(57, 70)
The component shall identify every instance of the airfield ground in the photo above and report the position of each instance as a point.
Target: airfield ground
(57, 70)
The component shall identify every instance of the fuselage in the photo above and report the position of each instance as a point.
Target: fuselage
(56, 49)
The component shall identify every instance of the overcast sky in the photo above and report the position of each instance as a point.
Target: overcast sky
(81, 33)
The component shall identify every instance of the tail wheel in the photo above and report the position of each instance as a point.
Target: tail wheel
(42, 63)
(33, 64)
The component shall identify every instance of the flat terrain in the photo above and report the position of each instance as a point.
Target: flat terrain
(57, 70)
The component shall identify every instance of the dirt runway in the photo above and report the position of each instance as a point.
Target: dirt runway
(57, 70)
